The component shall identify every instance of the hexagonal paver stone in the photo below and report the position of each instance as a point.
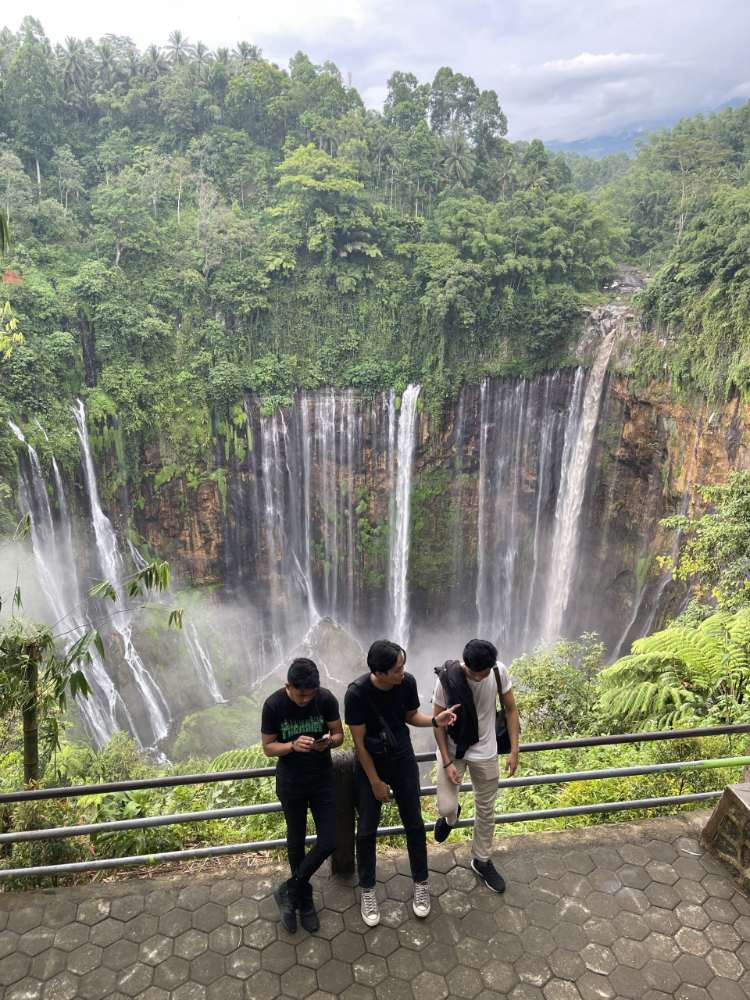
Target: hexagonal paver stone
(278, 957)
(719, 886)
(691, 941)
(175, 922)
(47, 964)
(59, 914)
(225, 989)
(630, 953)
(135, 979)
(190, 991)
(429, 985)
(160, 901)
(24, 919)
(573, 911)
(391, 989)
(8, 943)
(632, 900)
(140, 927)
(662, 872)
(721, 910)
(93, 910)
(690, 891)
(722, 936)
(62, 987)
(369, 970)
(259, 934)
(265, 986)
(154, 993)
(455, 902)
(592, 986)
(127, 907)
(661, 976)
(500, 977)
(404, 964)
(171, 973)
(694, 970)
(193, 896)
(561, 989)
(463, 982)
(71, 937)
(628, 982)
(242, 963)
(207, 967)
(381, 941)
(347, 946)
(438, 957)
(84, 959)
(106, 932)
(313, 952)
(119, 955)
(335, 976)
(97, 984)
(225, 891)
(692, 915)
(225, 939)
(566, 964)
(298, 982)
(155, 949)
(191, 944)
(533, 971)
(13, 968)
(242, 912)
(604, 880)
(24, 989)
(208, 917)
(661, 948)
(725, 964)
(572, 937)
(36, 941)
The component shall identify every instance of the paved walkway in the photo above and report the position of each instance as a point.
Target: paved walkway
(619, 911)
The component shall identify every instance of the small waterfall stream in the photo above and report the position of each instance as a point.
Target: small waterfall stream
(156, 710)
(399, 559)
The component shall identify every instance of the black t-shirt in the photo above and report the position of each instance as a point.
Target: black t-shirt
(393, 705)
(288, 721)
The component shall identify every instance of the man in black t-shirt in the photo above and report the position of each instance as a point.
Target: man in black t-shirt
(379, 707)
(300, 725)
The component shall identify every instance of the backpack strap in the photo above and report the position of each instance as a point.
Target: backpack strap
(496, 672)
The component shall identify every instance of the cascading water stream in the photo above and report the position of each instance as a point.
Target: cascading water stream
(399, 548)
(571, 494)
(55, 562)
(156, 710)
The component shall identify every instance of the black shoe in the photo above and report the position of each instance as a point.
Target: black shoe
(307, 915)
(443, 827)
(286, 900)
(489, 874)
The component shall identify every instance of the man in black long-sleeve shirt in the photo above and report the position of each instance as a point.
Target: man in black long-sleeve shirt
(300, 725)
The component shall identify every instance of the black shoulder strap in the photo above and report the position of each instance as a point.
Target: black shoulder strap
(375, 710)
(499, 687)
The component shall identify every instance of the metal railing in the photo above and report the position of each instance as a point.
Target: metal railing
(344, 857)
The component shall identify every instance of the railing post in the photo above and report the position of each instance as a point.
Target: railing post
(342, 859)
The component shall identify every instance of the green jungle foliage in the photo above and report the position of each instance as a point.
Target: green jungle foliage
(189, 225)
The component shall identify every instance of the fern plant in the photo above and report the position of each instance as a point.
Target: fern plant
(682, 675)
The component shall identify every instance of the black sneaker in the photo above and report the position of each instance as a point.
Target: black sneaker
(285, 900)
(443, 827)
(307, 915)
(489, 874)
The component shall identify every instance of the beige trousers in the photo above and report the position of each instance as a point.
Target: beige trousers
(484, 776)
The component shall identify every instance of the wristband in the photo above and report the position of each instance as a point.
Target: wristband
(447, 765)
(434, 723)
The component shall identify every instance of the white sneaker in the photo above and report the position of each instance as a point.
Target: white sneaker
(369, 908)
(421, 903)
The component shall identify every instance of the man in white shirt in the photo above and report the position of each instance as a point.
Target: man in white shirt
(471, 743)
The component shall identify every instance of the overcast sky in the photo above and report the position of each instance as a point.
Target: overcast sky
(563, 69)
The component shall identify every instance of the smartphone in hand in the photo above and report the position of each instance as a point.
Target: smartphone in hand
(321, 740)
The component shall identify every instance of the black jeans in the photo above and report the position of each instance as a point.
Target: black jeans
(402, 774)
(296, 798)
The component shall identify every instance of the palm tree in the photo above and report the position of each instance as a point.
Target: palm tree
(458, 159)
(179, 48)
(203, 55)
(244, 52)
(107, 63)
(153, 62)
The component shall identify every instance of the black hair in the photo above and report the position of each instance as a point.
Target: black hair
(303, 674)
(383, 655)
(479, 655)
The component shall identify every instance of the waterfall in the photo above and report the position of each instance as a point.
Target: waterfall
(111, 565)
(399, 548)
(56, 569)
(199, 658)
(570, 497)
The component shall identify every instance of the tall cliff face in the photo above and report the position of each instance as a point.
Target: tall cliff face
(301, 531)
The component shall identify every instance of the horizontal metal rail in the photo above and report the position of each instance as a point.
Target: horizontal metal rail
(173, 780)
(53, 833)
(266, 845)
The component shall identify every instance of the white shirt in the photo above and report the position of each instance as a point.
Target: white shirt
(485, 702)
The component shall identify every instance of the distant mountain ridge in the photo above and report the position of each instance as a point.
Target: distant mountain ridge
(625, 140)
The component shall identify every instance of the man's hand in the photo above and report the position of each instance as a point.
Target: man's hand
(322, 743)
(452, 774)
(447, 717)
(380, 790)
(303, 744)
(511, 763)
